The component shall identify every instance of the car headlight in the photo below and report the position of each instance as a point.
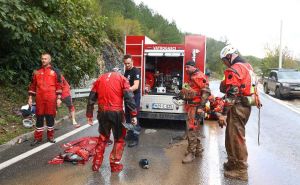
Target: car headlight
(285, 84)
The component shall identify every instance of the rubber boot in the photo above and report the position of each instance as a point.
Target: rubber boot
(116, 167)
(240, 174)
(50, 134)
(99, 151)
(38, 136)
(116, 155)
(229, 165)
(188, 158)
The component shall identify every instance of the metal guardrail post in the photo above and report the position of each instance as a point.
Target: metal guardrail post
(79, 93)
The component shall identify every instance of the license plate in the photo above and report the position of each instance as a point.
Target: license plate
(162, 106)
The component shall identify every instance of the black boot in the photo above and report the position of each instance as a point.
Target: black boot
(133, 141)
(129, 136)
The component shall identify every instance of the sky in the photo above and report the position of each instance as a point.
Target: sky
(249, 25)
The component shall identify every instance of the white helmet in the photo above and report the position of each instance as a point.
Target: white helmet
(116, 69)
(28, 123)
(229, 49)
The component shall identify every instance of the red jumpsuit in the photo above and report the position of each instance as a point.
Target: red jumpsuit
(198, 83)
(109, 91)
(45, 85)
(65, 88)
(216, 107)
(77, 151)
(66, 94)
(237, 85)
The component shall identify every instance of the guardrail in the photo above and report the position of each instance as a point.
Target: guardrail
(79, 93)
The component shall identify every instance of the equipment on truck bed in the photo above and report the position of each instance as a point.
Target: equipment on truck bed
(163, 73)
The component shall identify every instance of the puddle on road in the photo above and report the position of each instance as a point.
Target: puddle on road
(179, 173)
(52, 175)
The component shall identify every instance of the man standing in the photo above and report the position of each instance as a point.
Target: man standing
(110, 89)
(196, 97)
(236, 86)
(46, 87)
(67, 100)
(133, 75)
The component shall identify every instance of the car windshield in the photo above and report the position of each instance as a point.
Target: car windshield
(289, 75)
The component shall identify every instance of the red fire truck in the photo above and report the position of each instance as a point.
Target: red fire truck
(163, 73)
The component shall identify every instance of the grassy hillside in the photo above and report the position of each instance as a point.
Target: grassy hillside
(10, 123)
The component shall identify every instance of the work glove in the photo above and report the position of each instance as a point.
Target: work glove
(133, 120)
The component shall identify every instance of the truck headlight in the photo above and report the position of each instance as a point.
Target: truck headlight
(285, 84)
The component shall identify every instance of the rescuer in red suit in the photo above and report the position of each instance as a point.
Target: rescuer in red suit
(46, 87)
(198, 83)
(67, 100)
(109, 91)
(237, 87)
(215, 108)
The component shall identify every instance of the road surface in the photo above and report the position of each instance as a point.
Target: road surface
(275, 161)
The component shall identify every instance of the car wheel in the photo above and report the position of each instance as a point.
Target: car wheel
(266, 90)
(277, 93)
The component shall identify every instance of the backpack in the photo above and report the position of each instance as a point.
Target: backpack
(251, 92)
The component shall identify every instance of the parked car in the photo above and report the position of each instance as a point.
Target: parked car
(283, 82)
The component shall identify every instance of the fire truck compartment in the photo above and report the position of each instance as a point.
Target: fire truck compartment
(163, 73)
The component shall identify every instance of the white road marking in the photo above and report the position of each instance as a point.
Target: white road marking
(42, 147)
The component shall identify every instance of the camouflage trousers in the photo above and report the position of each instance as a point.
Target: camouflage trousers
(193, 135)
(235, 141)
(194, 142)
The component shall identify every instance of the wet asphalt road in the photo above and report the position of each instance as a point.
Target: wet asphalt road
(276, 161)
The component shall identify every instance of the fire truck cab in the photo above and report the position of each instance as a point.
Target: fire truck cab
(163, 73)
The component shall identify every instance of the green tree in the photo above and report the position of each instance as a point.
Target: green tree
(138, 20)
(72, 31)
(127, 26)
(213, 61)
(271, 59)
(255, 62)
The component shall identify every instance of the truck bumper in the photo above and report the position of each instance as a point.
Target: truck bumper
(162, 115)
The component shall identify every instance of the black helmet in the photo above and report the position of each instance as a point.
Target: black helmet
(144, 163)
(190, 63)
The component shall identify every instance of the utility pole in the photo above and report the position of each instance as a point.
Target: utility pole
(280, 47)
